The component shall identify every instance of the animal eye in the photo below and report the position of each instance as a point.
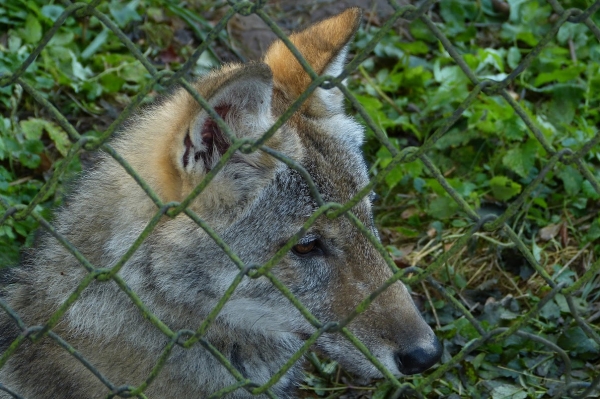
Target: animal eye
(305, 248)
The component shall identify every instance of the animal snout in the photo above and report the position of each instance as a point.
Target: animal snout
(419, 358)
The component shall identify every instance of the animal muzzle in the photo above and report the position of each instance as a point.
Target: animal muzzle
(420, 357)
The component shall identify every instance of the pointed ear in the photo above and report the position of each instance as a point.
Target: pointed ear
(241, 96)
(324, 45)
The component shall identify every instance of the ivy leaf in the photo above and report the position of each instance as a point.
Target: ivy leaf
(383, 390)
(513, 57)
(125, 13)
(52, 11)
(371, 104)
(98, 41)
(559, 75)
(594, 231)
(29, 159)
(394, 177)
(563, 107)
(79, 71)
(33, 147)
(506, 391)
(384, 156)
(34, 127)
(504, 188)
(550, 311)
(575, 340)
(32, 32)
(572, 179)
(589, 190)
(59, 137)
(521, 159)
(442, 207)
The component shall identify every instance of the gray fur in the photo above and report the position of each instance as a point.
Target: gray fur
(255, 204)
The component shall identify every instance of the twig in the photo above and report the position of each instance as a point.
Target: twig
(508, 278)
(485, 237)
(572, 51)
(572, 259)
(437, 320)
(424, 252)
(21, 180)
(476, 274)
(379, 91)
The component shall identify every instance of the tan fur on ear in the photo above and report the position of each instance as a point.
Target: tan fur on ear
(319, 44)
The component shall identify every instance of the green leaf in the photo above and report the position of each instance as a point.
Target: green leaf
(383, 390)
(52, 11)
(98, 41)
(536, 251)
(550, 311)
(111, 83)
(384, 156)
(124, 13)
(34, 146)
(492, 57)
(442, 207)
(32, 128)
(29, 160)
(32, 32)
(59, 137)
(521, 159)
(459, 223)
(513, 57)
(394, 176)
(572, 179)
(371, 104)
(20, 229)
(594, 231)
(407, 232)
(540, 202)
(566, 99)
(527, 37)
(466, 329)
(478, 360)
(506, 391)
(575, 340)
(329, 367)
(134, 72)
(419, 184)
(62, 38)
(562, 303)
(7, 231)
(79, 71)
(559, 75)
(504, 188)
(416, 47)
(460, 281)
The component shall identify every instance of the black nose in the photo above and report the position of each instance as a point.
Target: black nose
(419, 358)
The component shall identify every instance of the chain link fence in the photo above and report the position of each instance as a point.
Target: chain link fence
(411, 276)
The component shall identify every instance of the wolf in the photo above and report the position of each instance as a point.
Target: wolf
(255, 203)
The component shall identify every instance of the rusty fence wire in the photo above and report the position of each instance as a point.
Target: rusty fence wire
(186, 338)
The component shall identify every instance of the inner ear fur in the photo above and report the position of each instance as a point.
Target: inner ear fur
(158, 140)
(320, 44)
(243, 100)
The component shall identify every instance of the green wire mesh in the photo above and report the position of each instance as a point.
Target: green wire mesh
(410, 276)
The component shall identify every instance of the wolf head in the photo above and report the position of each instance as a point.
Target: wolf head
(255, 203)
